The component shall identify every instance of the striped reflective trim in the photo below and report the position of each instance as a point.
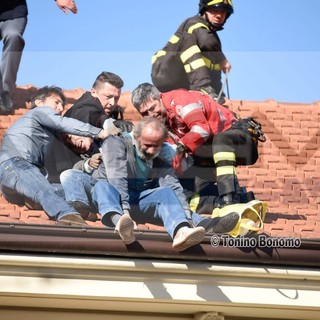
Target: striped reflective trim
(199, 63)
(224, 156)
(187, 54)
(189, 108)
(196, 26)
(219, 1)
(174, 39)
(194, 202)
(158, 54)
(210, 65)
(227, 170)
(199, 130)
(214, 2)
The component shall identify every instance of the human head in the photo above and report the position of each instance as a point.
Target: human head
(78, 144)
(146, 99)
(149, 135)
(107, 89)
(52, 97)
(216, 12)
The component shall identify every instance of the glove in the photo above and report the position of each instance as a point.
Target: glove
(177, 163)
(104, 133)
(123, 125)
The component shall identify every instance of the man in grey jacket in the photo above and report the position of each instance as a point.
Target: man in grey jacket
(139, 167)
(22, 174)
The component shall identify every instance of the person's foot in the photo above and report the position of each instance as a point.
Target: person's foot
(220, 224)
(227, 199)
(6, 103)
(125, 228)
(85, 210)
(187, 237)
(73, 220)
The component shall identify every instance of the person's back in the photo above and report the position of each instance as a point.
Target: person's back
(193, 57)
(183, 110)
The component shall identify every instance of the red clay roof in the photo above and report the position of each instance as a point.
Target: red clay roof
(286, 175)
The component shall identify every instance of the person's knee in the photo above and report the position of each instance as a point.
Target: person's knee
(68, 175)
(14, 41)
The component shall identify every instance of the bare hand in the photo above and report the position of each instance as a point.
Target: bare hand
(225, 66)
(95, 160)
(66, 5)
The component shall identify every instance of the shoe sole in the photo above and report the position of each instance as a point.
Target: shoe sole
(125, 229)
(191, 240)
(226, 223)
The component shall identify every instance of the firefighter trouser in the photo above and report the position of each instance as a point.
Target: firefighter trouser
(230, 149)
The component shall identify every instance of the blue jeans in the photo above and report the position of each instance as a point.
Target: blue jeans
(80, 186)
(160, 206)
(21, 180)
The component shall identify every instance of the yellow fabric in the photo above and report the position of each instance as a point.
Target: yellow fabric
(174, 39)
(194, 202)
(160, 53)
(251, 216)
(196, 26)
(187, 54)
(224, 156)
(221, 171)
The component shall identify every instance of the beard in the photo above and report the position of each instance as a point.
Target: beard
(145, 156)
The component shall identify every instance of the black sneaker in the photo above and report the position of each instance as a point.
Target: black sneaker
(220, 224)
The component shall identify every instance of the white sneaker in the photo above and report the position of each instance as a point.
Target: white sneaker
(187, 237)
(125, 228)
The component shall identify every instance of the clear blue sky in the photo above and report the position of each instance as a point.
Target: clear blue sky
(273, 45)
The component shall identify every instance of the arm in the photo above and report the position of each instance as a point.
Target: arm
(114, 156)
(48, 118)
(197, 124)
(66, 5)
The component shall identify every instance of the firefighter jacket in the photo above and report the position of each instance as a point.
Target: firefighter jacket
(194, 117)
(191, 58)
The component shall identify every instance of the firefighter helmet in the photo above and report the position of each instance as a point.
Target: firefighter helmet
(225, 4)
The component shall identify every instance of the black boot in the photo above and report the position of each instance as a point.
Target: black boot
(227, 199)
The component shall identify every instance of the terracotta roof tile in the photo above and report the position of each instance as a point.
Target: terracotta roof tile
(286, 175)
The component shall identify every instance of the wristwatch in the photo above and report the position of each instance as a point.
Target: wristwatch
(181, 148)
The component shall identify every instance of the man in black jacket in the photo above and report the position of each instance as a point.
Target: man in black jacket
(193, 57)
(99, 106)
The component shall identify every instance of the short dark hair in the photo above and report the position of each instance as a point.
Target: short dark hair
(143, 93)
(45, 92)
(108, 77)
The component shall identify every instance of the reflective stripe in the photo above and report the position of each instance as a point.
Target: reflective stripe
(174, 39)
(210, 65)
(199, 63)
(202, 132)
(158, 54)
(214, 2)
(219, 1)
(194, 202)
(189, 53)
(189, 108)
(224, 156)
(196, 26)
(227, 170)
